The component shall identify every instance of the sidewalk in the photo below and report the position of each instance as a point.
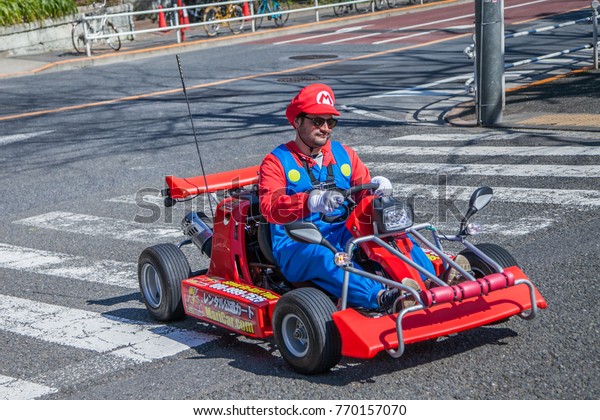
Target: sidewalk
(568, 102)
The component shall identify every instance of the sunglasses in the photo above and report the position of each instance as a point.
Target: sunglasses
(318, 121)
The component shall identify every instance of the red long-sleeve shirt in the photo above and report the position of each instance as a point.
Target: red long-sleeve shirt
(280, 208)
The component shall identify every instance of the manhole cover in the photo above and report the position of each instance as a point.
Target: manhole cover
(298, 79)
(314, 57)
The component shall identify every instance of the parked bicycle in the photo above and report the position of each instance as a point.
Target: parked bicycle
(95, 28)
(363, 6)
(219, 13)
(273, 7)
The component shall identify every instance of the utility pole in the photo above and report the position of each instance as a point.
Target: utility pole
(489, 61)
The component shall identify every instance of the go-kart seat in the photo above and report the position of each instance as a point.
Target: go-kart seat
(264, 240)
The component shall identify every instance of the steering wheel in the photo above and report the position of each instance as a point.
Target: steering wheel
(338, 218)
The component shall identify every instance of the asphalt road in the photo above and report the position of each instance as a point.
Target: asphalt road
(100, 137)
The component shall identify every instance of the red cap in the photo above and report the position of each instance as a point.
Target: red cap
(312, 99)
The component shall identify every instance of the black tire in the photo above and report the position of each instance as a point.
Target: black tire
(379, 4)
(257, 11)
(77, 36)
(236, 26)
(305, 333)
(340, 10)
(113, 42)
(391, 3)
(161, 269)
(211, 14)
(496, 252)
(280, 20)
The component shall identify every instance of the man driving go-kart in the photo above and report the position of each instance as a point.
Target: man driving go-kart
(354, 280)
(302, 179)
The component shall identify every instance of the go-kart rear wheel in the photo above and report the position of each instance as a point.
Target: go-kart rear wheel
(304, 331)
(161, 269)
(480, 268)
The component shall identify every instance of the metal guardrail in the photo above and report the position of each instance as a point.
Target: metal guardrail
(180, 28)
(470, 50)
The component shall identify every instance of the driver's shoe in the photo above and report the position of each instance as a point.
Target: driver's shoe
(452, 276)
(387, 299)
(410, 300)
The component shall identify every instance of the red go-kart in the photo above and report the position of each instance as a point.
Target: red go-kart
(243, 290)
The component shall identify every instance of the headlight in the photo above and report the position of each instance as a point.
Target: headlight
(392, 214)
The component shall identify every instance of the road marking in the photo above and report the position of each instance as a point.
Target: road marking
(429, 137)
(135, 199)
(578, 198)
(339, 31)
(36, 261)
(582, 171)
(482, 151)
(18, 389)
(96, 332)
(400, 38)
(85, 224)
(4, 140)
(512, 227)
(338, 41)
(457, 137)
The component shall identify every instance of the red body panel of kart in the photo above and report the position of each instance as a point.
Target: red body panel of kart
(185, 187)
(229, 280)
(363, 337)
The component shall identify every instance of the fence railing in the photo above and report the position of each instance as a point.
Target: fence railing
(180, 27)
(470, 50)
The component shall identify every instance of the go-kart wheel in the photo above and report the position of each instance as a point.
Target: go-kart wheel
(304, 331)
(480, 268)
(161, 269)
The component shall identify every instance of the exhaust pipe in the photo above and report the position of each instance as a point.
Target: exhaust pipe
(196, 225)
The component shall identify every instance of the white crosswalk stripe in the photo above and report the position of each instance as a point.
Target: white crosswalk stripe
(493, 170)
(18, 389)
(578, 198)
(37, 261)
(102, 226)
(96, 332)
(481, 151)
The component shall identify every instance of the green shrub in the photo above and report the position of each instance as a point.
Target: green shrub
(13, 12)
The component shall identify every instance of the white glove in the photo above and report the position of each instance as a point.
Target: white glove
(324, 201)
(385, 186)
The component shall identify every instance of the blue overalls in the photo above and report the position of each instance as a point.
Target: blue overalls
(301, 262)
(306, 262)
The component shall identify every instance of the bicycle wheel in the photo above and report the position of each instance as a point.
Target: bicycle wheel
(236, 26)
(340, 10)
(114, 41)
(211, 14)
(78, 36)
(391, 3)
(363, 7)
(278, 6)
(379, 4)
(260, 7)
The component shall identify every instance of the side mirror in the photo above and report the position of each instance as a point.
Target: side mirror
(480, 198)
(307, 233)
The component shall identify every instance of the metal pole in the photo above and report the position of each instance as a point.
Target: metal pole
(595, 5)
(489, 42)
(88, 42)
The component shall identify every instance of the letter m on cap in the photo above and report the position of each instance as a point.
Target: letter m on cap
(324, 97)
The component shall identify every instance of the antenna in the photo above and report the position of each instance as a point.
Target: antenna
(195, 137)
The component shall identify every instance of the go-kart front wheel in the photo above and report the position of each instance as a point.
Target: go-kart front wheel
(161, 269)
(304, 331)
(481, 268)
